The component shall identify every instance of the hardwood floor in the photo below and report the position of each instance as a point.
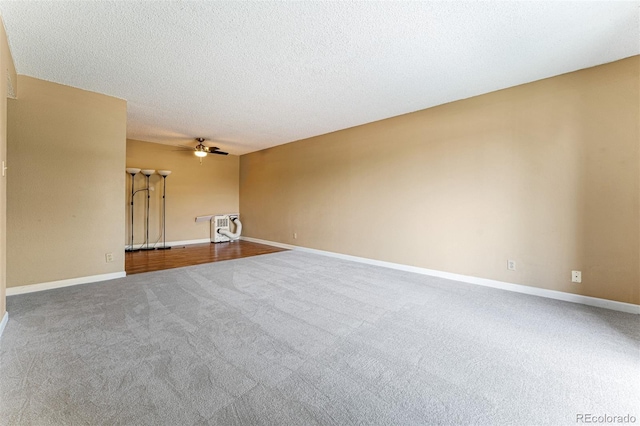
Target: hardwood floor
(196, 254)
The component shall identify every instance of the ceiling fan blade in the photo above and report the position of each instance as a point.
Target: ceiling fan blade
(207, 149)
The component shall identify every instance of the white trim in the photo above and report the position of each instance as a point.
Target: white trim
(518, 288)
(172, 243)
(187, 242)
(12, 291)
(3, 323)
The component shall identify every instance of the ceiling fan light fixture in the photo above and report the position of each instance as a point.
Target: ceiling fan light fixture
(200, 153)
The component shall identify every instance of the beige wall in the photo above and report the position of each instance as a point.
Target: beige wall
(8, 75)
(66, 148)
(192, 190)
(545, 174)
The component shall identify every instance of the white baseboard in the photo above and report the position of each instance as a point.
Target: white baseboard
(3, 323)
(518, 288)
(174, 243)
(187, 242)
(12, 291)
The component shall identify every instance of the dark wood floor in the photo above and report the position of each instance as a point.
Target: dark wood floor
(196, 254)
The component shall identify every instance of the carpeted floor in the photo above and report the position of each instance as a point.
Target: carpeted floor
(299, 339)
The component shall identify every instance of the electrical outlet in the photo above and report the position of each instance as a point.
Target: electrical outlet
(108, 257)
(576, 276)
(511, 265)
(295, 235)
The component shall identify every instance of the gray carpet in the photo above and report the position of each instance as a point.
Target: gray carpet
(295, 339)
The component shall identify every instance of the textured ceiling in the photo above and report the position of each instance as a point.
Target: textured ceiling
(250, 75)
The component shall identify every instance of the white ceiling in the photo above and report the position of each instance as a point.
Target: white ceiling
(251, 75)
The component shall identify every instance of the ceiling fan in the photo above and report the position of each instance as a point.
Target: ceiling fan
(201, 150)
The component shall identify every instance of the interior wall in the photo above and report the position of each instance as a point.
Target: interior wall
(193, 189)
(546, 174)
(66, 148)
(8, 75)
